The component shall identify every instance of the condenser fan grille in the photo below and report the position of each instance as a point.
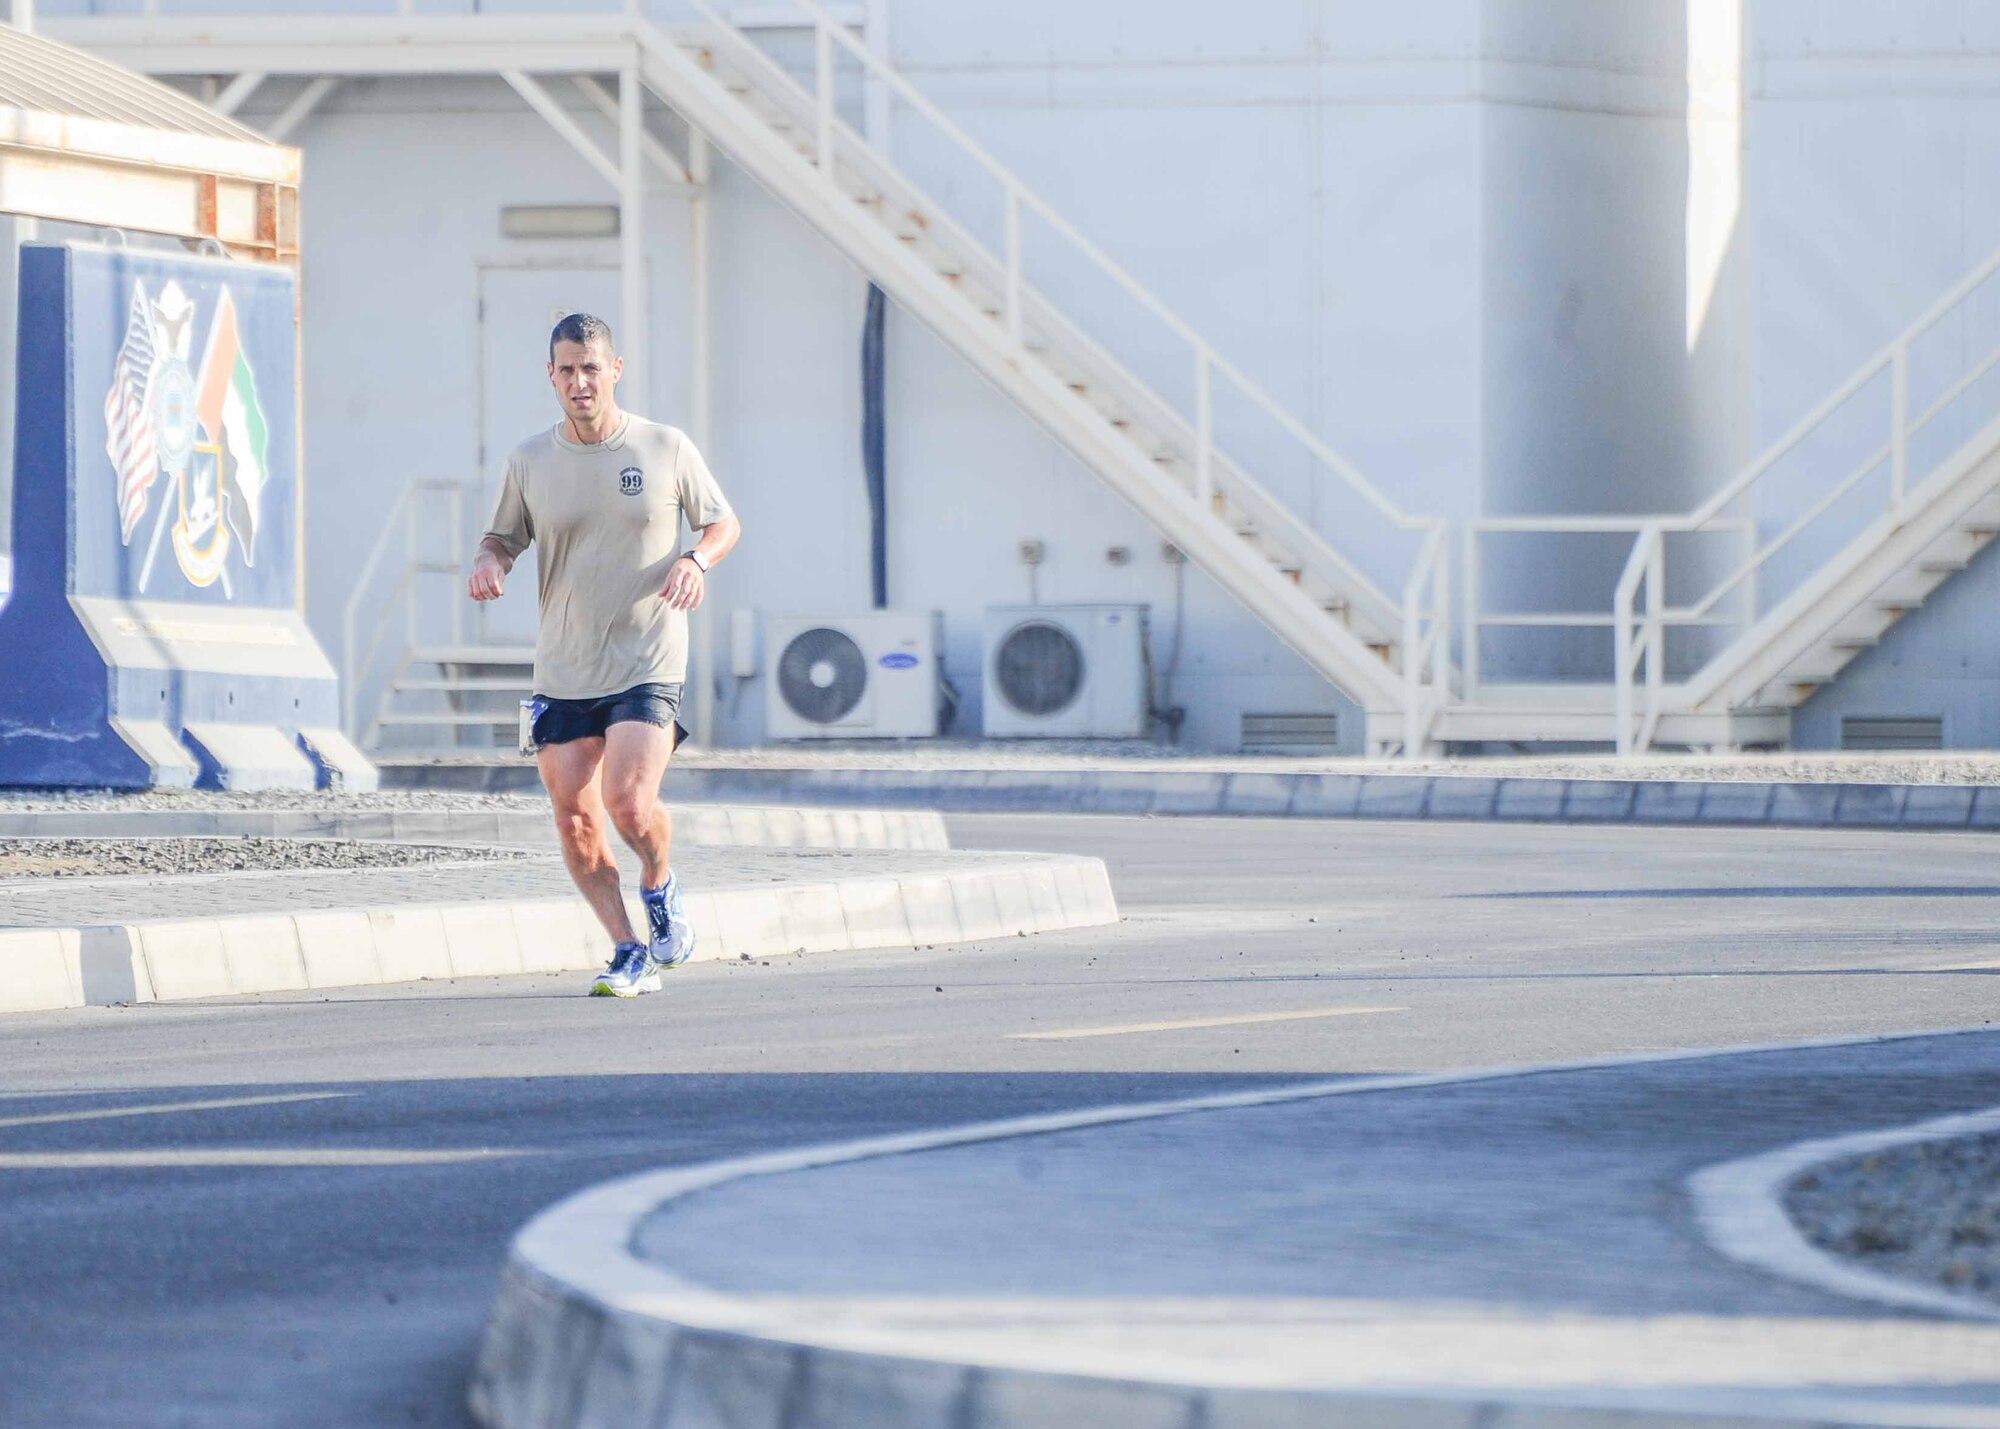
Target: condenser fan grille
(822, 675)
(1039, 668)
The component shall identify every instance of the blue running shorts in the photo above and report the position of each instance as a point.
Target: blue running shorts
(557, 721)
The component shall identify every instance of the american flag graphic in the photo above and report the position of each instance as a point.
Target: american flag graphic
(128, 416)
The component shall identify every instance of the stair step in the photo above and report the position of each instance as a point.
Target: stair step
(473, 655)
(451, 721)
(1984, 516)
(468, 686)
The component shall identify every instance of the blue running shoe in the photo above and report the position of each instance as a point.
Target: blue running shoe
(666, 919)
(632, 972)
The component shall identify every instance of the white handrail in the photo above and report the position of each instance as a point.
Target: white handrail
(1887, 356)
(1426, 641)
(1648, 558)
(399, 524)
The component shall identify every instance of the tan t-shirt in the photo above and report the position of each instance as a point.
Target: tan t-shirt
(608, 520)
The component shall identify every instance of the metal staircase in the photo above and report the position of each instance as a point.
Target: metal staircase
(1825, 568)
(1387, 650)
(447, 688)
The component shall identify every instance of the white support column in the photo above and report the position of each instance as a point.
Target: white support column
(636, 321)
(21, 15)
(602, 101)
(702, 636)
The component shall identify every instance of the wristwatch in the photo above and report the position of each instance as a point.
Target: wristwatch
(699, 563)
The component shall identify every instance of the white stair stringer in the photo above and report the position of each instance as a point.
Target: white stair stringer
(1847, 605)
(1312, 598)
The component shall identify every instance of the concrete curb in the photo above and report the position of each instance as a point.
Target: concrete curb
(702, 825)
(53, 968)
(1457, 797)
(586, 1335)
(1740, 1208)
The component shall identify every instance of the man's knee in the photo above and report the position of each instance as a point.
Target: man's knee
(632, 809)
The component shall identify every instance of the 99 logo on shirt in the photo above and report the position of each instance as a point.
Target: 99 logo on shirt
(631, 481)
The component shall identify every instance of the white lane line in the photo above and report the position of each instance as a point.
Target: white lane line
(1740, 1207)
(162, 1109)
(1192, 1023)
(1987, 965)
(177, 1157)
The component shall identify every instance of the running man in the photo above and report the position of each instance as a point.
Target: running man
(603, 491)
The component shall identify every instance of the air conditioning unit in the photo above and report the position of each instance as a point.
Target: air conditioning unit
(1066, 671)
(872, 676)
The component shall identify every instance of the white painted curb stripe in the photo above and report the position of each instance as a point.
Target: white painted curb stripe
(576, 1256)
(695, 825)
(45, 969)
(1740, 1206)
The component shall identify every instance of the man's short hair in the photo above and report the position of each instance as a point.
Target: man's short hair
(581, 328)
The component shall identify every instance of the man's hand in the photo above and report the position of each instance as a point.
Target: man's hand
(686, 585)
(489, 576)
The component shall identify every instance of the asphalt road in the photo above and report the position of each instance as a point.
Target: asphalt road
(330, 1260)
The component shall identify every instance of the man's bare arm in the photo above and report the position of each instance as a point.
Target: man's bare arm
(687, 583)
(490, 569)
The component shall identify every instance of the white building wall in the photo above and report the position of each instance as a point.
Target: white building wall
(1454, 237)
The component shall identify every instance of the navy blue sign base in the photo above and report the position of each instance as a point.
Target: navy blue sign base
(155, 635)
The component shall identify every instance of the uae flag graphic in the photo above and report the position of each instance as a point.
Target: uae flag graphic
(229, 411)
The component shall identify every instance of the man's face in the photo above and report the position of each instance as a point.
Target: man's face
(585, 375)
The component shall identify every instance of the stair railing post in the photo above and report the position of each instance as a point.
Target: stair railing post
(1624, 631)
(410, 514)
(1204, 424)
(1469, 660)
(457, 525)
(1014, 261)
(1656, 632)
(1441, 631)
(1899, 432)
(823, 67)
(1422, 597)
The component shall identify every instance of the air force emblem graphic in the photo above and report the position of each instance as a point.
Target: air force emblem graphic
(203, 430)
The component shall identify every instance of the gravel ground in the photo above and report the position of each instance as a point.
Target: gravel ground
(324, 801)
(1954, 767)
(24, 859)
(1928, 1212)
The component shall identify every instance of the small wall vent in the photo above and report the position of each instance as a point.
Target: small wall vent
(1892, 732)
(1290, 733)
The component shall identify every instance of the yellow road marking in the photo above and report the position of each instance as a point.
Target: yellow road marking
(1192, 1023)
(177, 1157)
(98, 1114)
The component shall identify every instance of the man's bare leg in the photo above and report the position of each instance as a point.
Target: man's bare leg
(635, 761)
(572, 774)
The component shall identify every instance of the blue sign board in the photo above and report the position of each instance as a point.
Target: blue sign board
(155, 633)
